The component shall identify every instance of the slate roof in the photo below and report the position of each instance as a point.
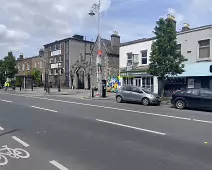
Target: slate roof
(108, 47)
(178, 33)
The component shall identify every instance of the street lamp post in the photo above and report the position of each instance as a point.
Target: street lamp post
(96, 10)
(58, 77)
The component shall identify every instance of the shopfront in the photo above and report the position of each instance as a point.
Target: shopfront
(139, 78)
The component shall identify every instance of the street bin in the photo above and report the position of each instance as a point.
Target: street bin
(104, 89)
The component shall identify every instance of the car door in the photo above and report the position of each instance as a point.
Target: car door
(136, 94)
(126, 93)
(206, 98)
(193, 97)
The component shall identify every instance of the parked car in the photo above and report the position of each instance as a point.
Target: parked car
(192, 98)
(137, 94)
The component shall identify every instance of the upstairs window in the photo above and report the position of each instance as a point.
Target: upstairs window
(129, 59)
(179, 48)
(204, 49)
(144, 57)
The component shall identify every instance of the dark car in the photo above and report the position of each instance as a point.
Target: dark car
(192, 98)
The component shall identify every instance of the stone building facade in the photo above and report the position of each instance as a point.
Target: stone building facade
(63, 60)
(109, 58)
(26, 65)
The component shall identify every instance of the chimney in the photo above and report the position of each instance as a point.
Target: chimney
(115, 40)
(172, 17)
(21, 56)
(186, 27)
(41, 52)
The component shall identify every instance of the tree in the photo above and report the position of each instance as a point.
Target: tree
(165, 59)
(2, 73)
(36, 75)
(9, 64)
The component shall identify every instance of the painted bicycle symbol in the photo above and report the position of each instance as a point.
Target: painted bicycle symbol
(13, 153)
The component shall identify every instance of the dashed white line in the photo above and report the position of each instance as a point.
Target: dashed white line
(132, 127)
(6, 101)
(1, 128)
(58, 165)
(43, 109)
(113, 108)
(203, 121)
(20, 141)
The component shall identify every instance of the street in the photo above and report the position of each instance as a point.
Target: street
(53, 132)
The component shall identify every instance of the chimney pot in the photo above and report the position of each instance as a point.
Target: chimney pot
(115, 39)
(186, 27)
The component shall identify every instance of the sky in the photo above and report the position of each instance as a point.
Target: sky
(26, 25)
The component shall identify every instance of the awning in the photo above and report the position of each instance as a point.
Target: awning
(196, 70)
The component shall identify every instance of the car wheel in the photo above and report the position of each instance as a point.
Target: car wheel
(145, 101)
(119, 99)
(180, 104)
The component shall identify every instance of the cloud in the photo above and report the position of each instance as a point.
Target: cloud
(43, 21)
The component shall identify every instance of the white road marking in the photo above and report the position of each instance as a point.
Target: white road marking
(6, 101)
(113, 108)
(132, 127)
(20, 141)
(58, 165)
(43, 109)
(203, 121)
(1, 128)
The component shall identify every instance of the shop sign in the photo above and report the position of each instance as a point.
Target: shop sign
(190, 83)
(57, 52)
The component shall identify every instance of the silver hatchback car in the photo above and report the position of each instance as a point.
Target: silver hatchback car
(137, 94)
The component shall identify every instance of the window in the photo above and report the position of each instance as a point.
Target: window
(23, 67)
(205, 92)
(129, 59)
(179, 48)
(18, 67)
(35, 65)
(28, 66)
(135, 89)
(51, 60)
(193, 92)
(204, 49)
(128, 88)
(58, 46)
(62, 71)
(144, 57)
(147, 83)
(41, 64)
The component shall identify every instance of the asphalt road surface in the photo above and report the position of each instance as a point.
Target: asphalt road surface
(62, 133)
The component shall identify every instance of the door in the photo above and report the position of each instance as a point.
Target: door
(138, 82)
(136, 94)
(126, 93)
(206, 101)
(193, 97)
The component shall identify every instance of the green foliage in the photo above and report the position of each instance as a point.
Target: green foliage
(165, 60)
(2, 74)
(36, 75)
(18, 82)
(8, 65)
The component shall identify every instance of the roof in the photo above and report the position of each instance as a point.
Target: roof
(196, 70)
(66, 39)
(108, 47)
(178, 33)
(28, 58)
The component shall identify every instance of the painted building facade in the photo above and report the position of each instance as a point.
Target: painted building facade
(193, 43)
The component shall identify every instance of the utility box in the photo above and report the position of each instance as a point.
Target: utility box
(104, 89)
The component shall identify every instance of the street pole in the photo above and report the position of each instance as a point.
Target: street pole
(58, 78)
(96, 8)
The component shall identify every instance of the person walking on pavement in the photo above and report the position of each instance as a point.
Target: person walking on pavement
(6, 86)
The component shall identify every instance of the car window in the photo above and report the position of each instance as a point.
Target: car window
(126, 88)
(193, 92)
(135, 89)
(205, 92)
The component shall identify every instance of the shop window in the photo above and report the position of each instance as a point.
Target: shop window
(204, 49)
(144, 57)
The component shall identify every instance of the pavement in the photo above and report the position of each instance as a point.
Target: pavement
(59, 132)
(73, 93)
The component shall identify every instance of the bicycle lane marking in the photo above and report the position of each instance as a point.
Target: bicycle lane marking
(20, 141)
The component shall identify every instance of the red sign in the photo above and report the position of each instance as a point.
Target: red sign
(99, 52)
